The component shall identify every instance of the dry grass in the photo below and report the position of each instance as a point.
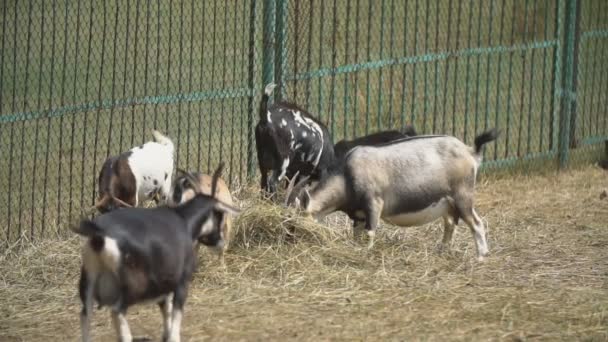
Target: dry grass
(290, 279)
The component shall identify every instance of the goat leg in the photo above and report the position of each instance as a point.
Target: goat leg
(165, 306)
(121, 326)
(373, 213)
(179, 299)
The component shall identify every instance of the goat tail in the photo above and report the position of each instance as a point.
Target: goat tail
(162, 139)
(265, 97)
(91, 230)
(409, 130)
(484, 138)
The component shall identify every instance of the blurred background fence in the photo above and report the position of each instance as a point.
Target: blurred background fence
(81, 80)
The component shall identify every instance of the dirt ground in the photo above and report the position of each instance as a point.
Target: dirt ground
(546, 278)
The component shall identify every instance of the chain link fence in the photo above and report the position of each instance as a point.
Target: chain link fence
(453, 67)
(81, 80)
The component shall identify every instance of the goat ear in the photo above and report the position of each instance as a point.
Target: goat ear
(181, 171)
(216, 176)
(226, 208)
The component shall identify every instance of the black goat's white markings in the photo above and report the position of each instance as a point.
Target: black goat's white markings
(305, 138)
(286, 137)
(311, 127)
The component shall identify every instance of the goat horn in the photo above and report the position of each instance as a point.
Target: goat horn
(121, 202)
(297, 188)
(190, 178)
(182, 171)
(101, 202)
(216, 176)
(290, 187)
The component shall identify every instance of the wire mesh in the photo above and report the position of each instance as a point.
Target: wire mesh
(81, 80)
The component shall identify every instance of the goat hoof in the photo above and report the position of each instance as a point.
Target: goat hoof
(482, 257)
(142, 339)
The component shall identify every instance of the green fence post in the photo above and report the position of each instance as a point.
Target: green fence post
(567, 93)
(268, 52)
(267, 69)
(280, 48)
(251, 85)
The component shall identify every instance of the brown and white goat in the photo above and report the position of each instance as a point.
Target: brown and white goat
(140, 174)
(183, 192)
(408, 182)
(136, 255)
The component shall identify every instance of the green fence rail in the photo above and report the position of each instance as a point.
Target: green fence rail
(82, 79)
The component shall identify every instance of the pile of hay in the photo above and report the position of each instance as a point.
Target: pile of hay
(288, 278)
(265, 223)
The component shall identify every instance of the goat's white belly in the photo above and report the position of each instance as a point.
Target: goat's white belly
(426, 215)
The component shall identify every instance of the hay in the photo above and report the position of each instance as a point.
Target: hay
(288, 278)
(264, 223)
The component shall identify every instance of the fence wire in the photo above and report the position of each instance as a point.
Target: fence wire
(81, 80)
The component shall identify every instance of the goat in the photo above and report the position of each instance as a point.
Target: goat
(288, 140)
(135, 255)
(137, 175)
(343, 146)
(183, 192)
(407, 182)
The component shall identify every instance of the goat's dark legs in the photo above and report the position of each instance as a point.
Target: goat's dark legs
(358, 226)
(85, 287)
(264, 180)
(165, 309)
(273, 181)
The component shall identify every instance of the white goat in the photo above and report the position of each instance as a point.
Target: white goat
(140, 174)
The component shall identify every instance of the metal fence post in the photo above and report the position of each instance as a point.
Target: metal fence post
(280, 48)
(251, 85)
(567, 93)
(268, 52)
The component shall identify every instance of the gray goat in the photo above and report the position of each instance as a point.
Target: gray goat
(407, 182)
(134, 255)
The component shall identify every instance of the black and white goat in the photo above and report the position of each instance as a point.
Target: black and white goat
(382, 137)
(407, 182)
(289, 140)
(135, 255)
(140, 174)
